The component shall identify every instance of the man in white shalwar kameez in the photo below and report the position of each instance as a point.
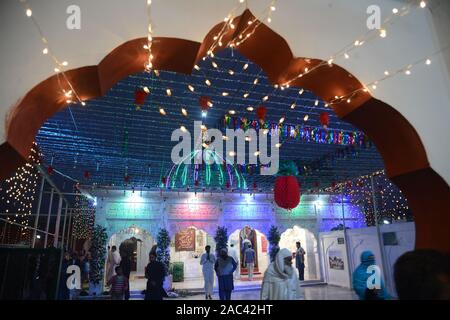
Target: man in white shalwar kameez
(234, 254)
(207, 261)
(113, 262)
(281, 279)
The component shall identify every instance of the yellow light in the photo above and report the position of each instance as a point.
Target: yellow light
(428, 62)
(245, 66)
(68, 94)
(346, 56)
(407, 72)
(293, 106)
(56, 70)
(306, 118)
(183, 128)
(257, 153)
(169, 92)
(272, 8)
(265, 98)
(83, 103)
(349, 100)
(316, 103)
(255, 81)
(225, 94)
(282, 120)
(214, 64)
(248, 139)
(269, 19)
(29, 12)
(386, 73)
(423, 4)
(231, 72)
(249, 22)
(301, 91)
(383, 33)
(208, 83)
(65, 63)
(203, 127)
(278, 145)
(232, 153)
(162, 111)
(232, 112)
(45, 51)
(330, 62)
(196, 67)
(209, 103)
(250, 109)
(246, 95)
(395, 11)
(374, 87)
(146, 90)
(357, 43)
(191, 88)
(225, 138)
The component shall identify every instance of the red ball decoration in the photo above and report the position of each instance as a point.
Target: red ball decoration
(139, 97)
(287, 192)
(261, 113)
(87, 174)
(324, 119)
(50, 170)
(126, 178)
(204, 102)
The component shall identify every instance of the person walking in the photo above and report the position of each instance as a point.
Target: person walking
(207, 261)
(119, 285)
(300, 261)
(249, 258)
(360, 277)
(224, 267)
(125, 264)
(280, 279)
(155, 273)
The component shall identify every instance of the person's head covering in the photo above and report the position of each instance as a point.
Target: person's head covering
(279, 265)
(367, 258)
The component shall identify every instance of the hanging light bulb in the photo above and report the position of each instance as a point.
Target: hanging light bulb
(346, 56)
(146, 90)
(184, 112)
(245, 66)
(265, 98)
(423, 4)
(214, 64)
(383, 33)
(183, 128)
(250, 109)
(191, 88)
(232, 112)
(231, 72)
(293, 106)
(28, 12)
(395, 11)
(278, 145)
(169, 92)
(196, 67)
(306, 118)
(246, 95)
(225, 94)
(316, 103)
(208, 83)
(162, 111)
(45, 51)
(301, 91)
(282, 120)
(428, 62)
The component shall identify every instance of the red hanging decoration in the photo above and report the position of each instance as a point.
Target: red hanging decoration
(333, 184)
(204, 102)
(126, 178)
(255, 186)
(87, 174)
(261, 114)
(163, 180)
(139, 97)
(324, 119)
(50, 170)
(287, 192)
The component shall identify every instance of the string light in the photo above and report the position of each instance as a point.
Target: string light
(250, 109)
(162, 111)
(208, 83)
(184, 112)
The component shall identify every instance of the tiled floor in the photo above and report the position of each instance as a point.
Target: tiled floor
(245, 290)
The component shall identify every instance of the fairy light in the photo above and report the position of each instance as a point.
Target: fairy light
(246, 95)
(281, 120)
(383, 33)
(149, 63)
(146, 90)
(169, 92)
(184, 112)
(255, 82)
(191, 88)
(231, 72)
(245, 66)
(423, 4)
(162, 111)
(305, 118)
(265, 98)
(225, 94)
(250, 109)
(293, 106)
(232, 112)
(208, 83)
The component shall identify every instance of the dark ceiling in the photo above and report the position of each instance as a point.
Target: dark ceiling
(109, 138)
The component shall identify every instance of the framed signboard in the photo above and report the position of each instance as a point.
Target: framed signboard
(185, 240)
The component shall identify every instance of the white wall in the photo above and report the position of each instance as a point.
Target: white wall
(316, 29)
(329, 244)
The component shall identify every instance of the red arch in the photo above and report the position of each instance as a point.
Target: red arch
(404, 157)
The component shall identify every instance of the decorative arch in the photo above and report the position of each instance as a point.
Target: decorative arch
(405, 157)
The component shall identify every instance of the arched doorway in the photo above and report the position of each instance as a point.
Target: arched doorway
(405, 158)
(186, 247)
(309, 244)
(240, 239)
(135, 241)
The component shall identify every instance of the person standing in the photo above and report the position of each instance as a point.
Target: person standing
(280, 279)
(155, 273)
(119, 285)
(207, 261)
(249, 256)
(125, 264)
(113, 263)
(224, 267)
(300, 261)
(234, 254)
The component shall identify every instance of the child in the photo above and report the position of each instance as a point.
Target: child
(119, 285)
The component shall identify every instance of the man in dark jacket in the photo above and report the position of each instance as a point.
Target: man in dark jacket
(125, 265)
(155, 273)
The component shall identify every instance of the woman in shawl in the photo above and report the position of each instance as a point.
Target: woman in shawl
(225, 266)
(207, 261)
(360, 276)
(281, 279)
